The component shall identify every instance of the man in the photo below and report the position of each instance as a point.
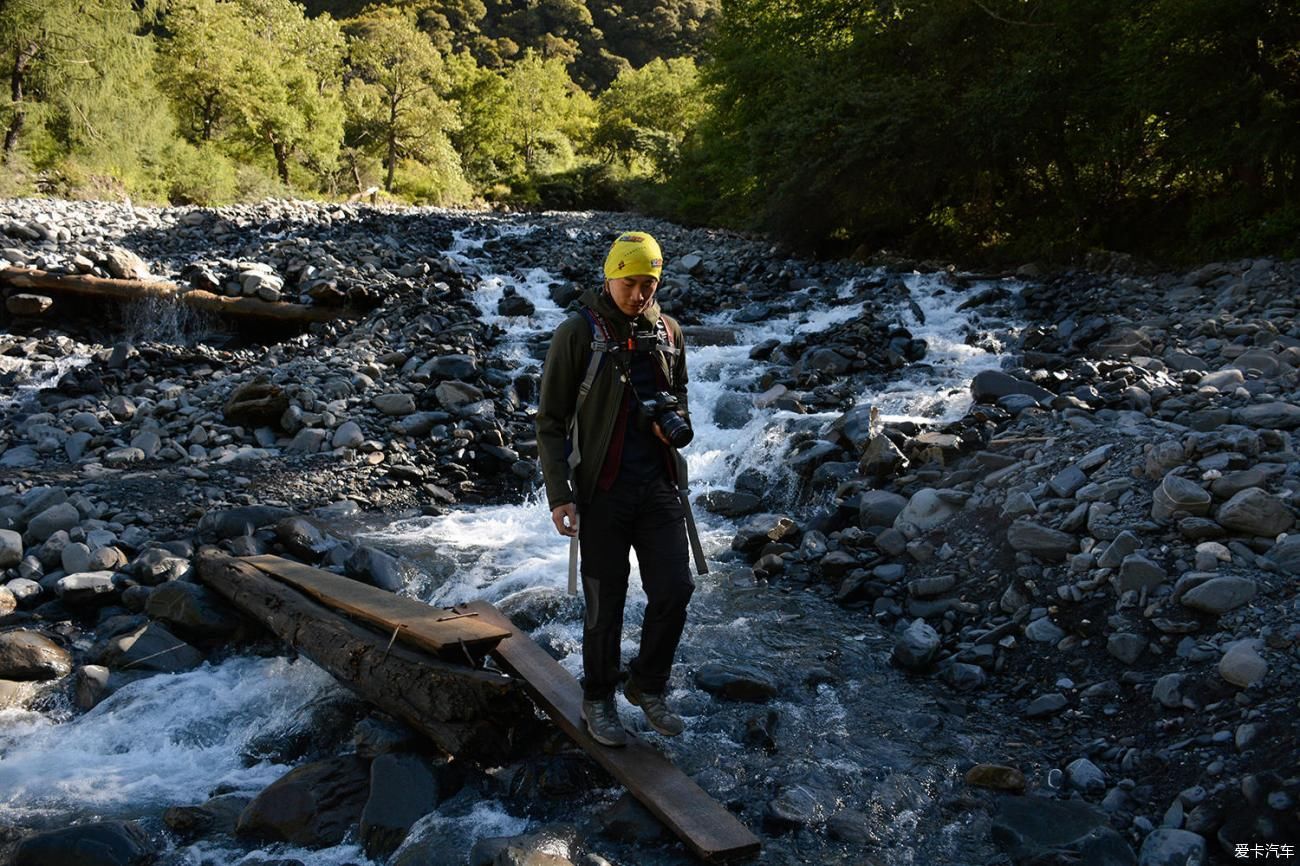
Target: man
(605, 434)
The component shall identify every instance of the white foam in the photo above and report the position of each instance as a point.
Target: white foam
(165, 740)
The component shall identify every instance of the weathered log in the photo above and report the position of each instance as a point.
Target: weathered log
(464, 711)
(138, 290)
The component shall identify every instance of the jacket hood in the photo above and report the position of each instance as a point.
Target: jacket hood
(599, 301)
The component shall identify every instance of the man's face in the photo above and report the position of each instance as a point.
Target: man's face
(632, 294)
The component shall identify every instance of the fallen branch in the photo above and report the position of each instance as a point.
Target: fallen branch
(137, 290)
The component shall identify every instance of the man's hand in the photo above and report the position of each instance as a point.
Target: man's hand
(565, 518)
(659, 431)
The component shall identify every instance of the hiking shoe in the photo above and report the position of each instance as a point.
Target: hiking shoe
(662, 719)
(603, 723)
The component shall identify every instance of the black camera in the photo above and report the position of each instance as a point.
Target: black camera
(662, 409)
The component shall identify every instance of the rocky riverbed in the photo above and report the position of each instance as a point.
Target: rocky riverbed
(1078, 589)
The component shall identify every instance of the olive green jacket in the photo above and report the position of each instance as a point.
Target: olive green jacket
(563, 373)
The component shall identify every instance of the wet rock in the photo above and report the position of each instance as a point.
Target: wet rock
(313, 805)
(376, 568)
(989, 386)
(1032, 537)
(157, 565)
(761, 529)
(11, 548)
(233, 522)
(1028, 828)
(104, 843)
(303, 539)
(1255, 512)
(797, 806)
(996, 776)
(8, 601)
(403, 789)
(1123, 544)
(192, 610)
(1166, 847)
(735, 682)
(917, 646)
(728, 503)
(732, 411)
(151, 648)
(219, 815)
(30, 655)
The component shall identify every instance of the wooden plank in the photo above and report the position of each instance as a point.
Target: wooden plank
(429, 628)
(707, 828)
(463, 711)
(134, 290)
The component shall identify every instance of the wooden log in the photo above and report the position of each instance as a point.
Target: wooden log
(707, 828)
(442, 632)
(138, 290)
(464, 711)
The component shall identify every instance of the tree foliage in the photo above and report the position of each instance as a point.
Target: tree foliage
(645, 115)
(1034, 126)
(396, 79)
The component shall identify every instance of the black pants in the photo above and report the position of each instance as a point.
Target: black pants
(648, 518)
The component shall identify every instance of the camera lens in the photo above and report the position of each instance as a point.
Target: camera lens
(679, 432)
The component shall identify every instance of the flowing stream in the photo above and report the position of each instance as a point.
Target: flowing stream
(872, 760)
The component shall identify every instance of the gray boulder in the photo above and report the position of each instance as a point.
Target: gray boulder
(735, 682)
(991, 385)
(192, 610)
(30, 655)
(11, 548)
(1041, 541)
(1168, 847)
(313, 805)
(917, 646)
(1255, 512)
(151, 648)
(1220, 594)
(105, 843)
(403, 789)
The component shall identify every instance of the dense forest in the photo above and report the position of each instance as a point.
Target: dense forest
(987, 129)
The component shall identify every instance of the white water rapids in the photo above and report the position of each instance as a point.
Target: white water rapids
(173, 739)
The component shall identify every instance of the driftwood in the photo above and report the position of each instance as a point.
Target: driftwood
(138, 290)
(462, 710)
(444, 633)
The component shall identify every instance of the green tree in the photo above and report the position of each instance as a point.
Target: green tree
(483, 135)
(292, 103)
(201, 64)
(551, 118)
(645, 115)
(396, 77)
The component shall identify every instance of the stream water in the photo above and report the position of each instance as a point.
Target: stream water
(872, 760)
